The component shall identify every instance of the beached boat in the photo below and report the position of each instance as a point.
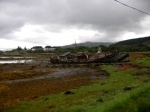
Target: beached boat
(83, 58)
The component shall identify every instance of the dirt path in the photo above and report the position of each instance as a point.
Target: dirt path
(60, 80)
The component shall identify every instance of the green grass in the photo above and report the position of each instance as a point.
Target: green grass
(107, 95)
(142, 61)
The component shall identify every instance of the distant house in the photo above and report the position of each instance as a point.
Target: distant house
(49, 48)
(37, 48)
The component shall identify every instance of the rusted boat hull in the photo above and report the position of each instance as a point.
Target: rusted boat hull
(101, 58)
(124, 57)
(108, 58)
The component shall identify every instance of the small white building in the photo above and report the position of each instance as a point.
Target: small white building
(49, 48)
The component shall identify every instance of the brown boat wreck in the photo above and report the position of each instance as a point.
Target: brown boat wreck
(84, 58)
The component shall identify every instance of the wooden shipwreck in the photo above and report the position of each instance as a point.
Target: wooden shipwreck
(83, 58)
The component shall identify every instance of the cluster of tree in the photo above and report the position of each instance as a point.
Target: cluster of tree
(58, 50)
(1, 52)
(121, 48)
(133, 48)
(35, 49)
(76, 49)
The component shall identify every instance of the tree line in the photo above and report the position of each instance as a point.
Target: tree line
(120, 48)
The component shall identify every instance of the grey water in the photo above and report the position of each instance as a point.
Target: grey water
(15, 61)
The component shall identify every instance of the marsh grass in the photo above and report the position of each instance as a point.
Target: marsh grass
(107, 95)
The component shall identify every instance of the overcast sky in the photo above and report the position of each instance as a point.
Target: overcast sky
(61, 22)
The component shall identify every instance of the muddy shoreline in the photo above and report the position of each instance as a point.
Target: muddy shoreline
(21, 82)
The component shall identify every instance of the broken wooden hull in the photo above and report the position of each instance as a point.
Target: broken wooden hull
(108, 58)
(124, 57)
(99, 58)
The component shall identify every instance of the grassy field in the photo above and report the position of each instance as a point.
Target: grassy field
(127, 89)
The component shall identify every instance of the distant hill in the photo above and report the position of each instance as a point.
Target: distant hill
(137, 41)
(88, 44)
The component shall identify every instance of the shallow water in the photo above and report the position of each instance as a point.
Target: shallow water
(14, 57)
(15, 61)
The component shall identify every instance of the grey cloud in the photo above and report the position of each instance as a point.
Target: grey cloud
(103, 15)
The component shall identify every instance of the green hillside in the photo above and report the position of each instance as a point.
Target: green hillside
(137, 41)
